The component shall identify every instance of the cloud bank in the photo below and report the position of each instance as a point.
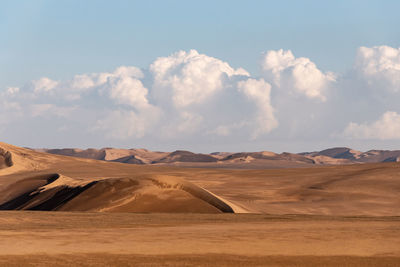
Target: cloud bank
(379, 66)
(189, 97)
(296, 75)
(385, 128)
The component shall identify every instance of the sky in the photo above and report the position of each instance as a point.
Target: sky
(200, 75)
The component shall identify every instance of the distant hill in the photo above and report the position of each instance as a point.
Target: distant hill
(249, 160)
(355, 156)
(186, 156)
(131, 156)
(266, 155)
(131, 159)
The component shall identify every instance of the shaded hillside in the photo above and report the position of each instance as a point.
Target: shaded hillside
(55, 192)
(42, 181)
(341, 153)
(362, 189)
(45, 181)
(380, 156)
(131, 156)
(131, 159)
(5, 159)
(358, 156)
(241, 160)
(186, 156)
(74, 152)
(266, 155)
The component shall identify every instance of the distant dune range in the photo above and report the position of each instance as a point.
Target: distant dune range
(245, 160)
(329, 182)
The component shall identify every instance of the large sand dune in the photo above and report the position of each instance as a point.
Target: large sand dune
(39, 181)
(93, 185)
(366, 193)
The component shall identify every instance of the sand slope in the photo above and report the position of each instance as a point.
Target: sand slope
(345, 153)
(248, 160)
(39, 181)
(352, 189)
(359, 189)
(241, 160)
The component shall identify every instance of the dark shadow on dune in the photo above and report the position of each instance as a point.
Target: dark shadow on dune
(200, 194)
(60, 196)
(51, 199)
(22, 199)
(131, 159)
(5, 159)
(185, 156)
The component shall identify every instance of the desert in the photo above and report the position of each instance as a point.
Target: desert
(63, 210)
(199, 133)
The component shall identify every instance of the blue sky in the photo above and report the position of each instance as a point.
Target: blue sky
(60, 39)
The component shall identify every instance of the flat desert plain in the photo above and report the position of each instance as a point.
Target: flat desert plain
(64, 211)
(128, 239)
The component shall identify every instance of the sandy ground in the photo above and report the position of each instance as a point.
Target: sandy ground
(120, 239)
(347, 190)
(367, 194)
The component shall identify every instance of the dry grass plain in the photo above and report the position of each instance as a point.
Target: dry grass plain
(322, 216)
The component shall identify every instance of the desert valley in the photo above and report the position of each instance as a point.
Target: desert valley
(336, 207)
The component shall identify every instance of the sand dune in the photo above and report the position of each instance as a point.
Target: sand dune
(186, 156)
(241, 160)
(355, 156)
(55, 192)
(53, 186)
(138, 156)
(93, 185)
(131, 159)
(261, 159)
(127, 214)
(358, 189)
(5, 159)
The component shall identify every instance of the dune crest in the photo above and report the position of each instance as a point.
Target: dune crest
(240, 160)
(42, 181)
(58, 192)
(21, 159)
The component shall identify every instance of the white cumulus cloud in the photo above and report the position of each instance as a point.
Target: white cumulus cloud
(259, 92)
(190, 77)
(12, 90)
(195, 98)
(44, 85)
(386, 128)
(380, 67)
(124, 87)
(124, 124)
(298, 75)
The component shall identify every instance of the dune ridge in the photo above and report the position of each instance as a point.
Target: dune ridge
(57, 192)
(240, 160)
(38, 182)
(367, 189)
